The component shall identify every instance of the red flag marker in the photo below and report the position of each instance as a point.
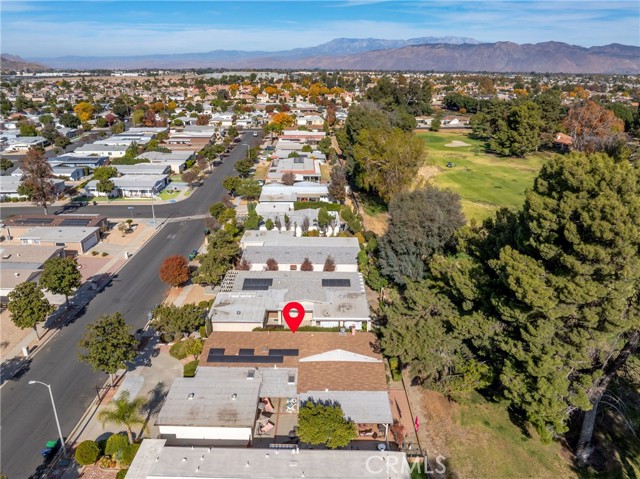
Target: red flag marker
(417, 424)
(293, 321)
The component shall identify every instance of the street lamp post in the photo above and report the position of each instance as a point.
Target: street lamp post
(248, 150)
(55, 414)
(130, 208)
(153, 211)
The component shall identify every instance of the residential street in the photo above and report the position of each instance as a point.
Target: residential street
(198, 203)
(27, 417)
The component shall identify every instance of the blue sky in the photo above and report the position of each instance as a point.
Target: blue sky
(102, 28)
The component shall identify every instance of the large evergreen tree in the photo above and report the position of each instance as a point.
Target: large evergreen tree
(550, 296)
(422, 222)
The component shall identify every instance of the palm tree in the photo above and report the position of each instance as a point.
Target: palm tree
(123, 412)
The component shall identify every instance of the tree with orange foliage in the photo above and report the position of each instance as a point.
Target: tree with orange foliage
(174, 270)
(593, 128)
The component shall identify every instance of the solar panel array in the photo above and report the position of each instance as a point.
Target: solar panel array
(35, 221)
(275, 356)
(333, 283)
(75, 222)
(257, 284)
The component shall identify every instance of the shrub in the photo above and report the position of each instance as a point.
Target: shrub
(94, 253)
(104, 253)
(128, 453)
(115, 444)
(306, 265)
(314, 205)
(189, 369)
(394, 365)
(14, 200)
(102, 444)
(203, 331)
(122, 473)
(87, 453)
(178, 351)
(272, 265)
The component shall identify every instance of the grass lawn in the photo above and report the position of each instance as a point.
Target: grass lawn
(484, 442)
(168, 195)
(483, 180)
(261, 172)
(325, 173)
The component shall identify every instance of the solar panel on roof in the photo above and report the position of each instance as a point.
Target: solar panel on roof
(75, 222)
(257, 284)
(284, 352)
(35, 221)
(245, 352)
(335, 282)
(216, 351)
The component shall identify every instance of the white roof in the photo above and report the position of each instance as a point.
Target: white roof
(362, 407)
(155, 460)
(173, 157)
(60, 234)
(213, 403)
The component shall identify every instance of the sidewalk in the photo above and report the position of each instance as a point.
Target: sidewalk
(96, 272)
(149, 377)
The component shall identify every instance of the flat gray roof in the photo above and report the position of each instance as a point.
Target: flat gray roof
(296, 254)
(36, 255)
(60, 234)
(175, 156)
(361, 407)
(212, 403)
(235, 303)
(97, 147)
(143, 169)
(286, 238)
(155, 460)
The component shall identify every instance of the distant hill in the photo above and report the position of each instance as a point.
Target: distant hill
(552, 57)
(229, 58)
(14, 63)
(421, 54)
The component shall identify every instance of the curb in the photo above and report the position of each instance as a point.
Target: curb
(48, 337)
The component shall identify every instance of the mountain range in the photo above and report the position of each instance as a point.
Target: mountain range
(15, 63)
(419, 54)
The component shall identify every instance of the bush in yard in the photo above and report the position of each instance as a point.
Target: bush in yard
(203, 331)
(189, 369)
(128, 453)
(122, 473)
(178, 351)
(87, 453)
(115, 444)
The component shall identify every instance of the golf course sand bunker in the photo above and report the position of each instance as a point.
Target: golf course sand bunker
(456, 144)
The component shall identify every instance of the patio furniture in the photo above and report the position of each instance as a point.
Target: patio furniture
(267, 405)
(265, 428)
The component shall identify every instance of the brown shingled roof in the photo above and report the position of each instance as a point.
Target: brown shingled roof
(312, 376)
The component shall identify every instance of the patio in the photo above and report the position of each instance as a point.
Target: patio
(277, 422)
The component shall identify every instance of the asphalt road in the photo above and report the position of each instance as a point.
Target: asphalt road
(197, 203)
(27, 421)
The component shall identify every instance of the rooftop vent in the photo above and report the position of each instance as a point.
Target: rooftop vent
(234, 396)
(190, 396)
(251, 374)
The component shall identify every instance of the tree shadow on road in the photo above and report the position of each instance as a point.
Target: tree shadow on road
(13, 369)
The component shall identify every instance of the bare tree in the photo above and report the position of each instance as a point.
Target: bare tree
(37, 178)
(288, 178)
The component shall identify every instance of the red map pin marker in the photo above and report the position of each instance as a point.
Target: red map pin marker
(293, 321)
